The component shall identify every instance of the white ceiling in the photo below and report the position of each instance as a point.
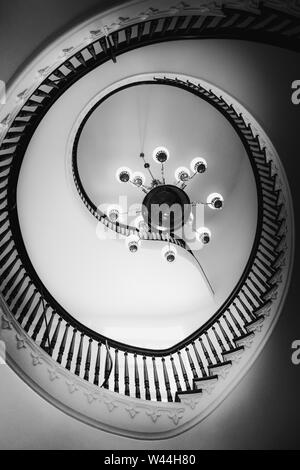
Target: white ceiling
(140, 298)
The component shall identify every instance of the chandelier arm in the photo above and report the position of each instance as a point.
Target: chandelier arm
(143, 188)
(195, 203)
(147, 165)
(163, 173)
(185, 183)
(151, 174)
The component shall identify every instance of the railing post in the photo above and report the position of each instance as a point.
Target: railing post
(247, 309)
(106, 370)
(229, 326)
(191, 362)
(11, 281)
(255, 285)
(71, 350)
(254, 295)
(26, 307)
(97, 365)
(88, 361)
(33, 315)
(6, 245)
(126, 374)
(156, 380)
(46, 335)
(199, 360)
(39, 324)
(184, 373)
(16, 290)
(205, 352)
(175, 374)
(237, 325)
(136, 378)
(116, 387)
(64, 340)
(258, 277)
(21, 298)
(212, 348)
(146, 379)
(225, 335)
(7, 256)
(79, 355)
(167, 381)
(222, 347)
(240, 313)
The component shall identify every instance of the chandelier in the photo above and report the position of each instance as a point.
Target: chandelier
(166, 206)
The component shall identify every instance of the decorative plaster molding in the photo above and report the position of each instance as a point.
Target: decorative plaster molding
(257, 326)
(36, 359)
(132, 411)
(72, 387)
(222, 370)
(5, 323)
(234, 356)
(154, 415)
(20, 342)
(246, 341)
(176, 416)
(111, 405)
(92, 397)
(190, 401)
(53, 374)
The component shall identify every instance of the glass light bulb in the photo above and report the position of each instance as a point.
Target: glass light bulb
(169, 253)
(203, 234)
(198, 165)
(114, 212)
(123, 175)
(133, 243)
(182, 174)
(161, 155)
(140, 224)
(215, 201)
(138, 179)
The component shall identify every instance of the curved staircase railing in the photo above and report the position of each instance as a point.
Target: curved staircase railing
(197, 362)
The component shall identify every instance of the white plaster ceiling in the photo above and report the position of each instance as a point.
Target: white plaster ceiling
(138, 299)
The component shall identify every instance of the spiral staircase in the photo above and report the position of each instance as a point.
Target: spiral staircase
(175, 387)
